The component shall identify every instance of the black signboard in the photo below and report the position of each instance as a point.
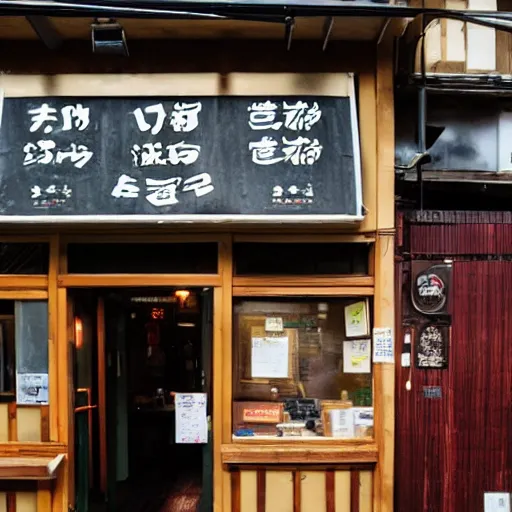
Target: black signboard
(187, 158)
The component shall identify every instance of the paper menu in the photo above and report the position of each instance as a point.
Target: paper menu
(496, 502)
(357, 356)
(356, 320)
(191, 420)
(383, 346)
(270, 357)
(342, 422)
(32, 388)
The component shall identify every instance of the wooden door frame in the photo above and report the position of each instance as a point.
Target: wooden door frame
(221, 282)
(217, 387)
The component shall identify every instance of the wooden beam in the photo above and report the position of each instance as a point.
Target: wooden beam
(134, 280)
(18, 282)
(303, 281)
(15, 449)
(275, 454)
(53, 326)
(302, 291)
(338, 238)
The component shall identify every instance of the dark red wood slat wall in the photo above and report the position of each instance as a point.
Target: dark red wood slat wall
(449, 451)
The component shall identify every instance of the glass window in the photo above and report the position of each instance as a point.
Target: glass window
(252, 258)
(150, 258)
(302, 368)
(24, 351)
(24, 258)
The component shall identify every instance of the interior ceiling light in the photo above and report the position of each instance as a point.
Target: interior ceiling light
(108, 37)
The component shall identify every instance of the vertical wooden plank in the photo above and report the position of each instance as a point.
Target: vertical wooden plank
(455, 41)
(53, 359)
(226, 271)
(261, 486)
(354, 491)
(235, 491)
(29, 423)
(3, 502)
(297, 477)
(44, 497)
(368, 141)
(342, 491)
(13, 422)
(365, 491)
(45, 423)
(217, 420)
(222, 366)
(384, 313)
(226, 490)
(279, 491)
(4, 423)
(26, 502)
(60, 497)
(102, 394)
(330, 491)
(313, 491)
(11, 501)
(248, 492)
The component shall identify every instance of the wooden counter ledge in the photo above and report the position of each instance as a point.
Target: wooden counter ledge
(297, 454)
(29, 468)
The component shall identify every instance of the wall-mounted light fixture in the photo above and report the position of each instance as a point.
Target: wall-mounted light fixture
(182, 295)
(108, 37)
(79, 333)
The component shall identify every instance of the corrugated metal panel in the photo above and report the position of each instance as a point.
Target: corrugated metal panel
(461, 239)
(451, 450)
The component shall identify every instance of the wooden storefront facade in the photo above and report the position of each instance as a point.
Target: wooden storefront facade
(331, 475)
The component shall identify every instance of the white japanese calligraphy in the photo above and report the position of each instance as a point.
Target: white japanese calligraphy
(43, 114)
(42, 152)
(200, 184)
(39, 153)
(301, 151)
(144, 126)
(125, 187)
(293, 194)
(300, 116)
(79, 155)
(263, 116)
(164, 192)
(184, 117)
(37, 191)
(75, 115)
(151, 154)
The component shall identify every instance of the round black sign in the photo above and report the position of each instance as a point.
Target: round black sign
(429, 292)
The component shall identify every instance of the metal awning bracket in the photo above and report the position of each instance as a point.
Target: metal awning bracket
(289, 26)
(328, 25)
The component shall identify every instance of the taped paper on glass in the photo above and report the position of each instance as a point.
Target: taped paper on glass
(357, 356)
(32, 388)
(270, 357)
(356, 320)
(383, 347)
(191, 420)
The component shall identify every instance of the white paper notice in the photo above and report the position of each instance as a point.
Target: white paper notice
(496, 502)
(356, 320)
(356, 356)
(32, 388)
(383, 349)
(342, 423)
(191, 421)
(274, 324)
(269, 357)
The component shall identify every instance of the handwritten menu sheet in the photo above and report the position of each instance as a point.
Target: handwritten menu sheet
(269, 357)
(191, 421)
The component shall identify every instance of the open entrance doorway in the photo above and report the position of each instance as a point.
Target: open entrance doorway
(135, 348)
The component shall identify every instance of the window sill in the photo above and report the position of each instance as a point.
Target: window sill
(29, 468)
(283, 452)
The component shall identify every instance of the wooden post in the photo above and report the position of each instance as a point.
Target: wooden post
(384, 374)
